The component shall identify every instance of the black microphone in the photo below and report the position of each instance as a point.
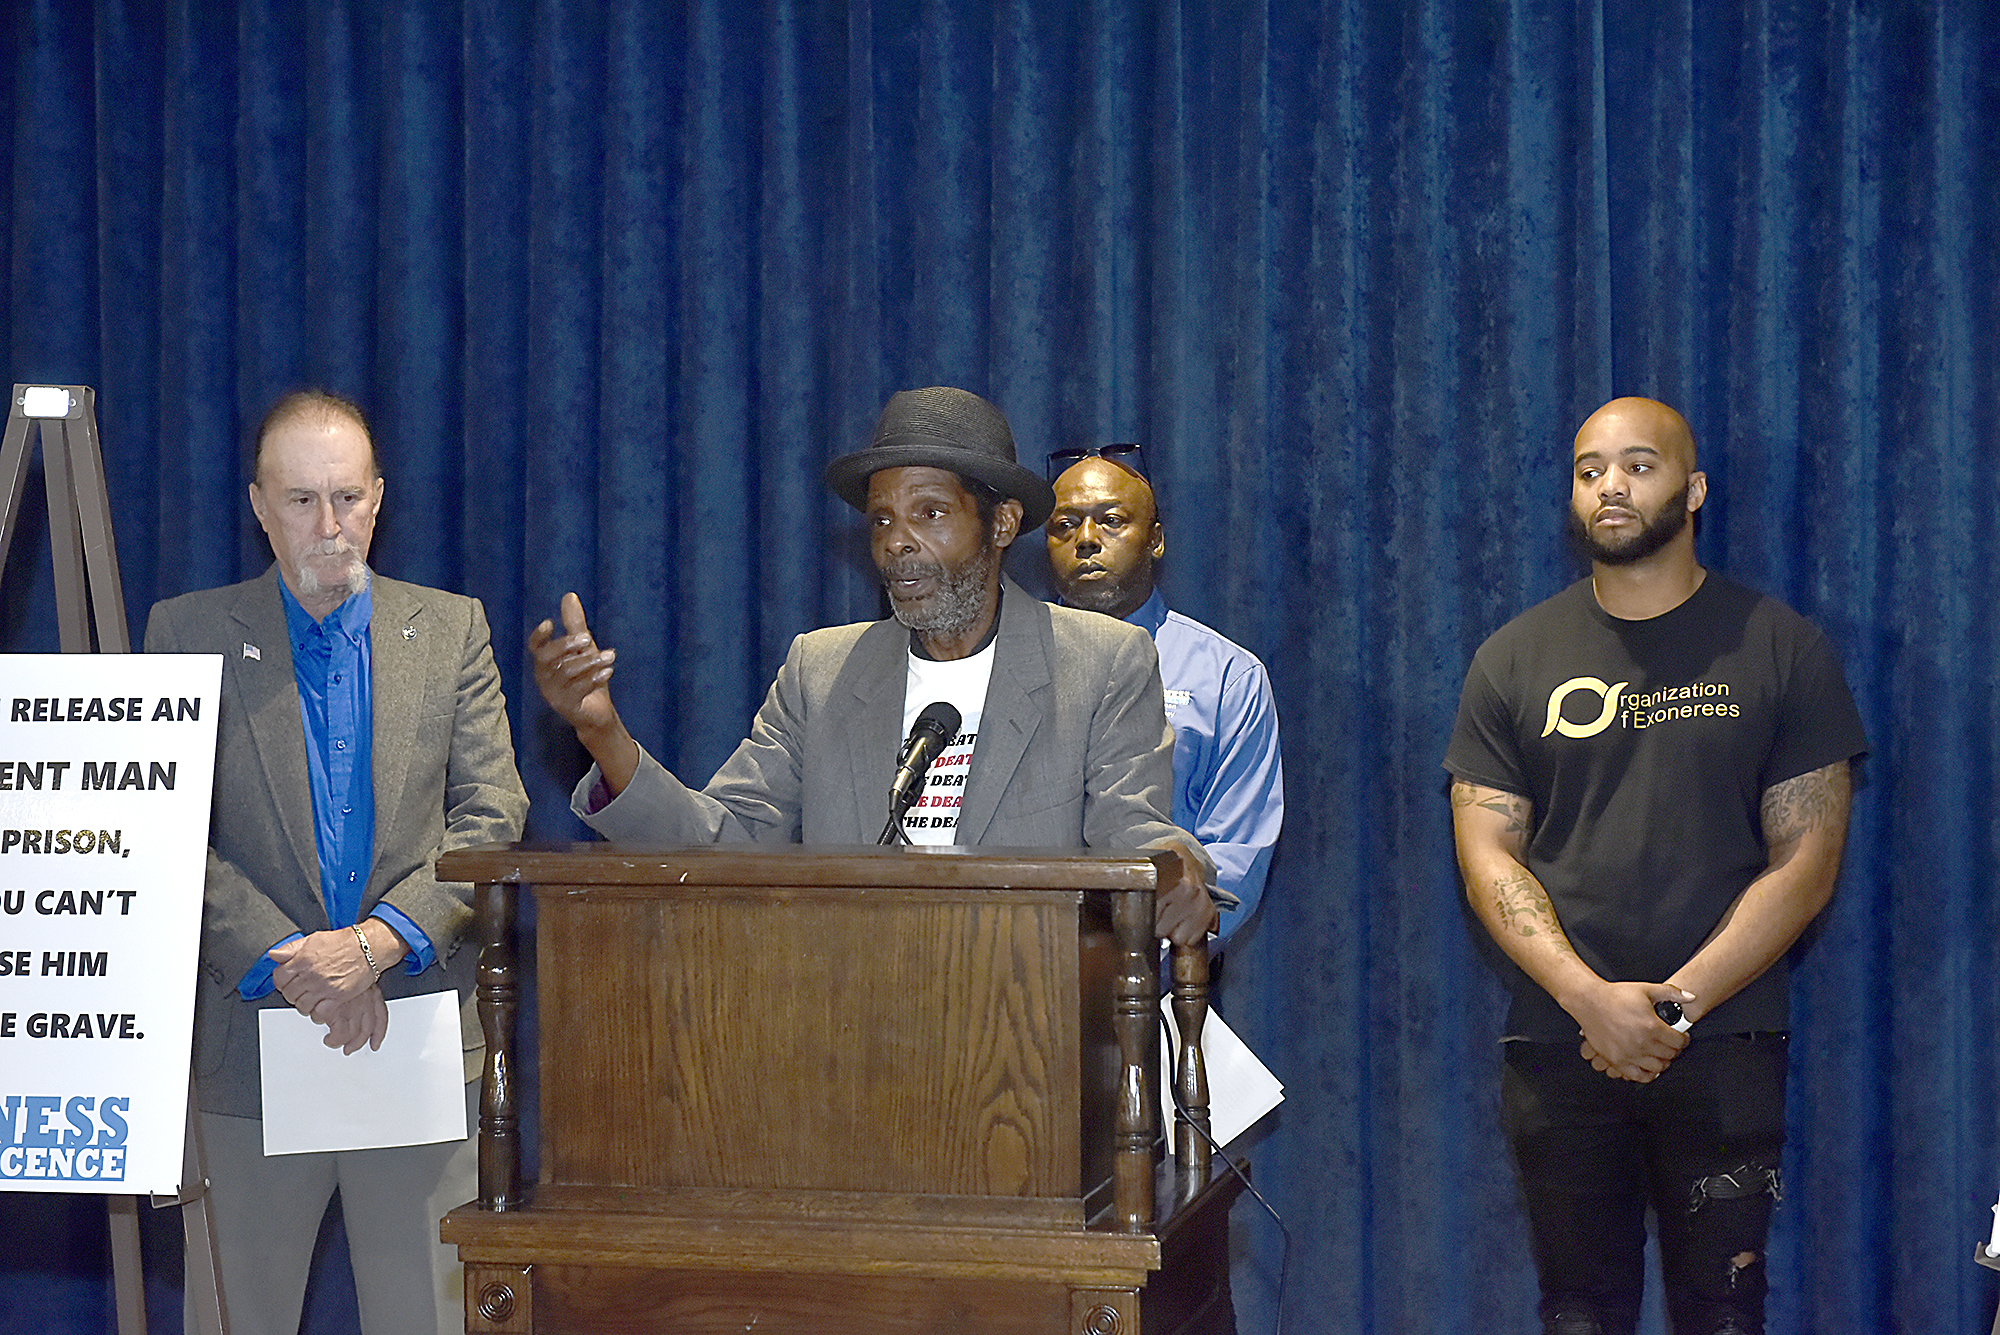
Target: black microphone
(930, 734)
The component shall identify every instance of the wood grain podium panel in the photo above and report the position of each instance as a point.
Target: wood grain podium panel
(832, 1090)
(927, 1033)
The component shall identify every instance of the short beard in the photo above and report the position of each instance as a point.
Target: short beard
(961, 597)
(355, 580)
(1104, 598)
(1112, 597)
(1657, 532)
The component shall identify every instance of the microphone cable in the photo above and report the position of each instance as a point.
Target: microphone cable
(1215, 1150)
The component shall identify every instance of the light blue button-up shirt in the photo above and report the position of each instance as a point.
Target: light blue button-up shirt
(1229, 782)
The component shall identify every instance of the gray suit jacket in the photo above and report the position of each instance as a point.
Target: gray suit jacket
(444, 778)
(1073, 750)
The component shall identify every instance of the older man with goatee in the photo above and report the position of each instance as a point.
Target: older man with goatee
(362, 733)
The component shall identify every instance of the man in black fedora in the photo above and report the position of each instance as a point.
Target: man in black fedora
(1063, 740)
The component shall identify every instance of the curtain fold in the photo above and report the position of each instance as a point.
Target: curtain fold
(616, 279)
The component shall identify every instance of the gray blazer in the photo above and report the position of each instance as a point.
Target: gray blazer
(1073, 750)
(444, 779)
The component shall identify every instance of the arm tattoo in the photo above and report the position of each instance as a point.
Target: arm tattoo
(1816, 800)
(1513, 807)
(1521, 906)
(1525, 910)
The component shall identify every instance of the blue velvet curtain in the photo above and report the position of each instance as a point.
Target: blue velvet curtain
(616, 278)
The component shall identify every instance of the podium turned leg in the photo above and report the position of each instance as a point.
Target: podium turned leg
(498, 999)
(1134, 1020)
(1191, 1149)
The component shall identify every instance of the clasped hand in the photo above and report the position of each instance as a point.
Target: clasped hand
(1623, 1037)
(362, 1019)
(326, 979)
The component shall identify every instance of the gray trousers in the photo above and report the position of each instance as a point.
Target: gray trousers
(266, 1213)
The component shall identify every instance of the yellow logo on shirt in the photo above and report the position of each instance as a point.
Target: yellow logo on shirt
(1609, 693)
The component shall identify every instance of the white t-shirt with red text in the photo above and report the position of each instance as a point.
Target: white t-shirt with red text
(961, 683)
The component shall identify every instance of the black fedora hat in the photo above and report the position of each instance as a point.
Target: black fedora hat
(942, 427)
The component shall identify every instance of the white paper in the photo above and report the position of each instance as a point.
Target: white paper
(409, 1092)
(1241, 1089)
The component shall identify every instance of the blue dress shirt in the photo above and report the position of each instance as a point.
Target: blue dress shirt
(1229, 782)
(331, 660)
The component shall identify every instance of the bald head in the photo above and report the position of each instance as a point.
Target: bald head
(1646, 419)
(1634, 485)
(1104, 536)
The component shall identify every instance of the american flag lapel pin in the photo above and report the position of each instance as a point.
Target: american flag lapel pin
(252, 652)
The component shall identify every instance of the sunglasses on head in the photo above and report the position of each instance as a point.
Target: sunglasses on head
(1126, 455)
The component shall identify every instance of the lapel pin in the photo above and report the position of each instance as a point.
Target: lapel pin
(409, 632)
(252, 652)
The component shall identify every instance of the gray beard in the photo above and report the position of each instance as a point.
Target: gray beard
(960, 598)
(310, 585)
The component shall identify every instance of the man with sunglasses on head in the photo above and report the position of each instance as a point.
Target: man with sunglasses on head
(1104, 539)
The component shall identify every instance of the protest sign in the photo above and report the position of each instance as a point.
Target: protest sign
(106, 769)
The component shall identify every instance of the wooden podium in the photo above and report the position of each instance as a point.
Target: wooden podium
(819, 1091)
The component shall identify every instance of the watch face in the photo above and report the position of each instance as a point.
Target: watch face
(1668, 1011)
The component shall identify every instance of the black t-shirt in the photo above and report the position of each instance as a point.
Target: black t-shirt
(1646, 747)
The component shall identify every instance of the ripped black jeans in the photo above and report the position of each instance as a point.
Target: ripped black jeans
(1701, 1144)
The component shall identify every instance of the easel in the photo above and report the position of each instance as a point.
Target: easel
(86, 576)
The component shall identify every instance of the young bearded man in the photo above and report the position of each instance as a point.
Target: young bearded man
(1651, 779)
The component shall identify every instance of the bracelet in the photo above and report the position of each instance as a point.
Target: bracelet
(366, 953)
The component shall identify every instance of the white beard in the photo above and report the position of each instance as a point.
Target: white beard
(347, 585)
